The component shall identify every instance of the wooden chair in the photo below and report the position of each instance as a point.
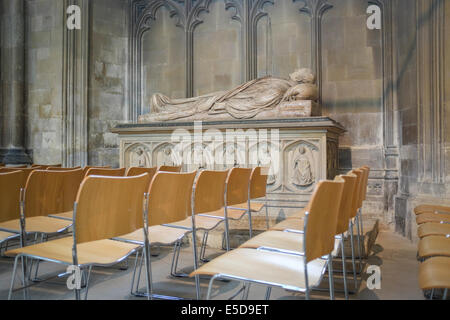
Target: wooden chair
(434, 273)
(208, 198)
(2, 164)
(279, 269)
(105, 172)
(433, 246)
(288, 240)
(258, 190)
(10, 185)
(237, 192)
(170, 168)
(432, 217)
(431, 208)
(433, 229)
(46, 193)
(165, 208)
(85, 169)
(105, 207)
(296, 222)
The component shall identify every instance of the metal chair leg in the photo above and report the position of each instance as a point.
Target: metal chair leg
(445, 294)
(353, 256)
(87, 282)
(363, 243)
(344, 267)
(330, 276)
(359, 244)
(13, 277)
(268, 293)
(203, 247)
(246, 290)
(250, 227)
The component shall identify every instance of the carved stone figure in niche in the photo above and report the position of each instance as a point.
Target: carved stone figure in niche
(169, 157)
(267, 97)
(265, 160)
(139, 158)
(233, 157)
(303, 174)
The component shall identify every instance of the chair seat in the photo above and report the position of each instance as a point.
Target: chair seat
(429, 208)
(433, 229)
(292, 224)
(254, 206)
(434, 246)
(234, 214)
(102, 252)
(283, 270)
(299, 214)
(434, 273)
(201, 222)
(432, 217)
(8, 235)
(41, 224)
(281, 240)
(64, 216)
(157, 235)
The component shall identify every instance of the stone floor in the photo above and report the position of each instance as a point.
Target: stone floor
(395, 255)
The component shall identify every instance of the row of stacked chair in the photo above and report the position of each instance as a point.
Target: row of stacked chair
(434, 248)
(295, 253)
(110, 220)
(48, 194)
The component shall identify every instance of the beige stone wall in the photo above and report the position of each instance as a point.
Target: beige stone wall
(283, 40)
(163, 59)
(43, 76)
(218, 63)
(108, 79)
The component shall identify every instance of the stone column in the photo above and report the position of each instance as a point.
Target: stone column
(12, 67)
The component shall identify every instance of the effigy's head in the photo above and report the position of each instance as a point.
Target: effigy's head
(304, 75)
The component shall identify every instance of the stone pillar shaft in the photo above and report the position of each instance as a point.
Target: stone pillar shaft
(12, 81)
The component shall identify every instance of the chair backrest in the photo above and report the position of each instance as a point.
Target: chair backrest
(170, 168)
(345, 210)
(85, 169)
(62, 169)
(106, 172)
(238, 182)
(10, 185)
(170, 196)
(322, 219)
(258, 183)
(363, 186)
(26, 173)
(366, 181)
(356, 200)
(210, 191)
(137, 171)
(51, 192)
(108, 207)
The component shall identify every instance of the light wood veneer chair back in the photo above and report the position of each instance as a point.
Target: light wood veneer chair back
(62, 169)
(238, 186)
(170, 168)
(86, 169)
(258, 183)
(10, 185)
(106, 172)
(26, 173)
(210, 191)
(366, 170)
(51, 192)
(108, 207)
(170, 197)
(358, 185)
(322, 219)
(347, 203)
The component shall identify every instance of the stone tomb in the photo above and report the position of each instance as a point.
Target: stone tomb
(299, 152)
